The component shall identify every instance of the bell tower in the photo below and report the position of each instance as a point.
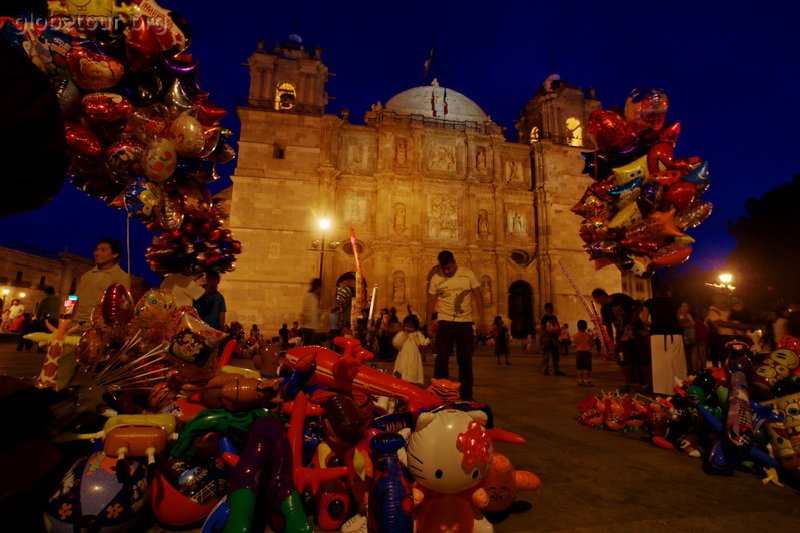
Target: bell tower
(288, 78)
(553, 125)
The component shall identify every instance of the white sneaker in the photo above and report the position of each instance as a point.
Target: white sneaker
(357, 524)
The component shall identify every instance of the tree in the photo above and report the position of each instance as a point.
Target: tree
(767, 257)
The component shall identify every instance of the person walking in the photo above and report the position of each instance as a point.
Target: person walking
(551, 330)
(211, 305)
(310, 324)
(500, 336)
(451, 293)
(583, 341)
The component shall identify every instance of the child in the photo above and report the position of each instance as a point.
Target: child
(564, 339)
(408, 363)
(500, 336)
(583, 353)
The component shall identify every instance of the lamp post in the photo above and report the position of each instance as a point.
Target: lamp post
(324, 225)
(5, 295)
(726, 279)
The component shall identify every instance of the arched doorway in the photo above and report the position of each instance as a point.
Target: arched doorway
(520, 309)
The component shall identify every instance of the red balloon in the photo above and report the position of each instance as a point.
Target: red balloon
(117, 305)
(105, 107)
(672, 254)
(666, 178)
(610, 131)
(680, 195)
(208, 113)
(142, 44)
(93, 71)
(83, 141)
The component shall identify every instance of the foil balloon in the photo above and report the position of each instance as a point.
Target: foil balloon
(672, 254)
(627, 216)
(69, 97)
(187, 135)
(590, 206)
(626, 193)
(650, 197)
(177, 100)
(93, 497)
(666, 177)
(693, 215)
(785, 434)
(679, 195)
(149, 123)
(142, 197)
(155, 307)
(610, 131)
(90, 347)
(776, 366)
(169, 214)
(159, 160)
(632, 171)
(105, 107)
(699, 176)
(646, 110)
(93, 71)
(123, 160)
(183, 493)
(82, 141)
(117, 305)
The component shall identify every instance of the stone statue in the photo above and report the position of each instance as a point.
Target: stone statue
(483, 224)
(401, 152)
(480, 159)
(399, 217)
(517, 223)
(486, 290)
(399, 287)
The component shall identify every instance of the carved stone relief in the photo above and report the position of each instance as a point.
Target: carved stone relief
(517, 224)
(355, 209)
(486, 289)
(441, 157)
(401, 152)
(443, 216)
(399, 286)
(483, 224)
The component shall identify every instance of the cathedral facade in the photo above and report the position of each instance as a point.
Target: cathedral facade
(427, 171)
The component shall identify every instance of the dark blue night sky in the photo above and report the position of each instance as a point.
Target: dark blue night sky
(730, 70)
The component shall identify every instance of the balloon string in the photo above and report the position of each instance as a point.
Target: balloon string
(128, 241)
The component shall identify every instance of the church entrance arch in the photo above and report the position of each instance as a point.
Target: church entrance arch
(520, 309)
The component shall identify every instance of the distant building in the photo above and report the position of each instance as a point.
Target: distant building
(427, 171)
(25, 272)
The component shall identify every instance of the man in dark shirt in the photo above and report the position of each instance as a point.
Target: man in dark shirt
(617, 311)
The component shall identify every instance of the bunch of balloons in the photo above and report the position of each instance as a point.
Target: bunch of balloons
(141, 133)
(643, 199)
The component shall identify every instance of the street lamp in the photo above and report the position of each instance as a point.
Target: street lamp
(324, 225)
(725, 280)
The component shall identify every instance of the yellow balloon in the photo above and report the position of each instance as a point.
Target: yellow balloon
(627, 216)
(636, 169)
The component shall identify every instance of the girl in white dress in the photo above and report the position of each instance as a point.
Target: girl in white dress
(408, 364)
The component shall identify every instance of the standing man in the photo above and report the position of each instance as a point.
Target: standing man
(310, 324)
(211, 305)
(451, 293)
(93, 284)
(551, 331)
(617, 313)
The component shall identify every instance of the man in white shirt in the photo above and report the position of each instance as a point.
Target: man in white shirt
(183, 286)
(93, 284)
(451, 293)
(310, 323)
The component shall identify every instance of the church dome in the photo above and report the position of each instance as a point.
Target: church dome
(423, 100)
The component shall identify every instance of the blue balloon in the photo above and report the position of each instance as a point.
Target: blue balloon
(699, 176)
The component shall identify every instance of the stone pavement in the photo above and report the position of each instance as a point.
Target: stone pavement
(595, 480)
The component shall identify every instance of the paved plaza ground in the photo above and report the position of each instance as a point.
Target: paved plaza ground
(592, 480)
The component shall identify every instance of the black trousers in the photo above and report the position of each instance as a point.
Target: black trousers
(463, 336)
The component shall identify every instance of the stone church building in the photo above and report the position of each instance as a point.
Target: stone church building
(427, 171)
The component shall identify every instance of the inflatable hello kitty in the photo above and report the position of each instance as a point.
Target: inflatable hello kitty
(449, 454)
